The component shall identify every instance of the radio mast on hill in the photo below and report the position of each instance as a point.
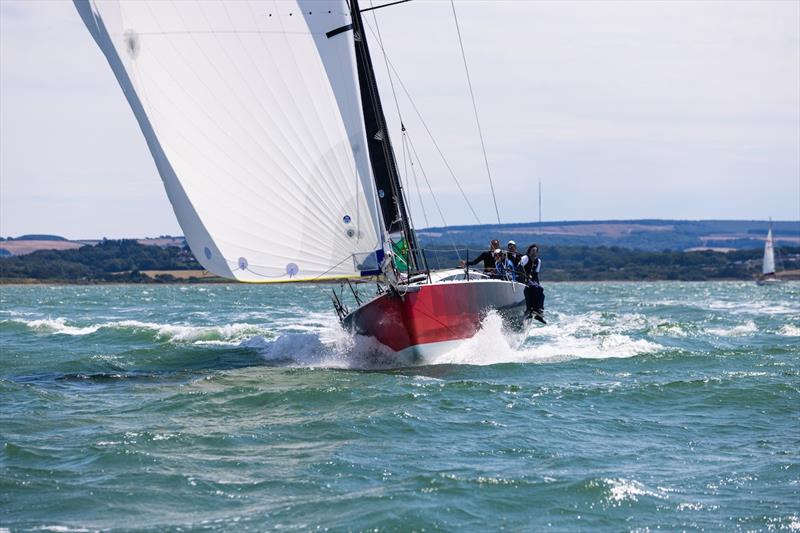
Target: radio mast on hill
(539, 229)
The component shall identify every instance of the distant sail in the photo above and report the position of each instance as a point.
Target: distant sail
(769, 255)
(252, 113)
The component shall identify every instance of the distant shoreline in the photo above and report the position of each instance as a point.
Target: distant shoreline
(788, 277)
(130, 262)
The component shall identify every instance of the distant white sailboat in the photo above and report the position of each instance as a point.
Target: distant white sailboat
(768, 276)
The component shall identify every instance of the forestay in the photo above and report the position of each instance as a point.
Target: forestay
(252, 113)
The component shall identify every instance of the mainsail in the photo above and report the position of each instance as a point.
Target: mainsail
(769, 255)
(252, 111)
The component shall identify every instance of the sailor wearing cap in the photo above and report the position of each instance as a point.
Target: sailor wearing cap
(512, 253)
(504, 268)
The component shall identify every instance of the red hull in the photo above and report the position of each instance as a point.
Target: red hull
(433, 313)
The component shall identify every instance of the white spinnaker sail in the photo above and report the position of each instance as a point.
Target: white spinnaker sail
(253, 117)
(769, 255)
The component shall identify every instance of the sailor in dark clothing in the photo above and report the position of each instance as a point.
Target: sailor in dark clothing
(512, 253)
(531, 262)
(487, 257)
(516, 259)
(534, 293)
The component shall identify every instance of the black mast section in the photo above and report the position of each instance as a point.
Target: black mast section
(381, 154)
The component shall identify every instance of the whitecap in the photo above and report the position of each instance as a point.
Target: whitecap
(222, 334)
(741, 330)
(57, 325)
(747, 374)
(789, 330)
(62, 529)
(751, 307)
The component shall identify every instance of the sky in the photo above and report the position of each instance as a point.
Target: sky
(623, 110)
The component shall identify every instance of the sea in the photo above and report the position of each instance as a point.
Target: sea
(639, 407)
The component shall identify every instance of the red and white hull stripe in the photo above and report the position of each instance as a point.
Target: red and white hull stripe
(432, 318)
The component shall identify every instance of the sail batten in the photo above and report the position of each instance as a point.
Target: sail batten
(253, 118)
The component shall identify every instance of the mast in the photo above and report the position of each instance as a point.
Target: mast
(384, 166)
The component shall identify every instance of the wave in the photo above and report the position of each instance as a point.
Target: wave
(619, 490)
(333, 348)
(566, 338)
(317, 340)
(748, 328)
(57, 325)
(226, 334)
(756, 308)
(789, 330)
(579, 337)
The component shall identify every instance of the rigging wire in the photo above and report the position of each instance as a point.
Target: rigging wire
(425, 176)
(403, 128)
(394, 92)
(386, 62)
(428, 131)
(416, 182)
(406, 138)
(435, 201)
(475, 110)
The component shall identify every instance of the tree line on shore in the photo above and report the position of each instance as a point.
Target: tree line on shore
(124, 261)
(108, 261)
(612, 263)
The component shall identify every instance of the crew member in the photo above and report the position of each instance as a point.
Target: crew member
(516, 258)
(504, 268)
(531, 263)
(534, 293)
(487, 257)
(512, 253)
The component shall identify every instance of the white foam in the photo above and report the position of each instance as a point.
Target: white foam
(667, 329)
(747, 374)
(752, 307)
(58, 325)
(222, 334)
(789, 330)
(336, 348)
(565, 338)
(63, 529)
(232, 333)
(741, 330)
(317, 340)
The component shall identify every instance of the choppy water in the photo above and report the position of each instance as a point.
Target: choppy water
(640, 407)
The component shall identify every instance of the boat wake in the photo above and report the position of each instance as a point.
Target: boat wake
(319, 342)
(563, 339)
(581, 337)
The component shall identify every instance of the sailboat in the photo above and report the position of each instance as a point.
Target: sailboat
(265, 122)
(768, 276)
